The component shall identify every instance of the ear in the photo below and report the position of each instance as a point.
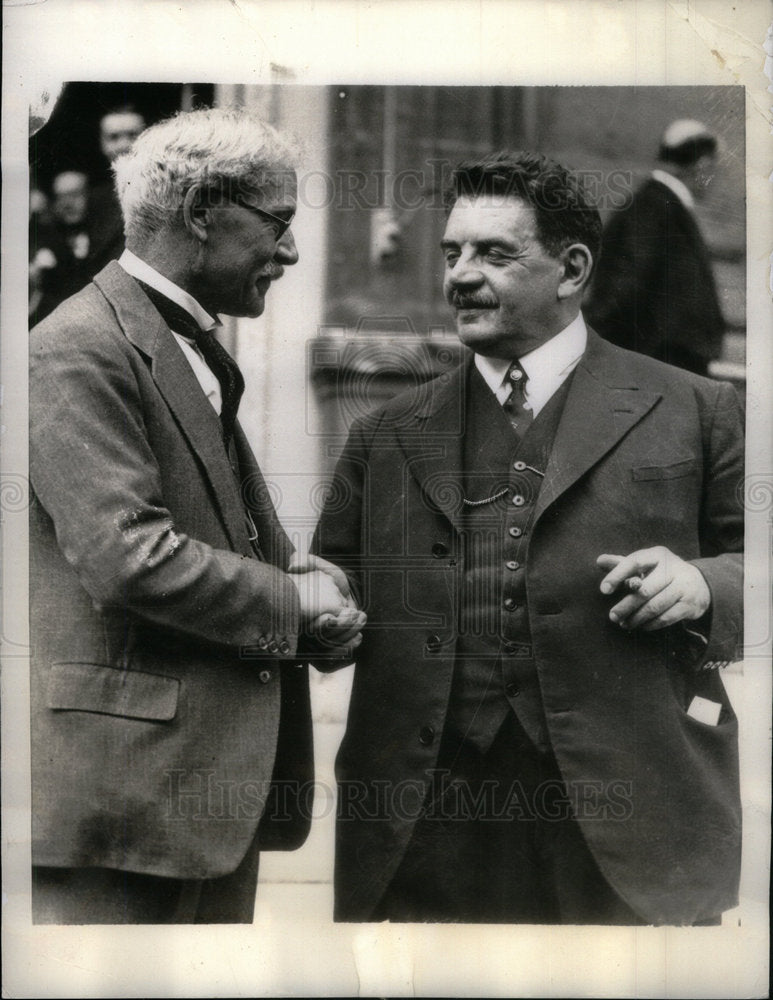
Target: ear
(577, 264)
(197, 215)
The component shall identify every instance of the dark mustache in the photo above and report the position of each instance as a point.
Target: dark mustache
(459, 300)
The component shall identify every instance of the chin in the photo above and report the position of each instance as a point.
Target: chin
(483, 341)
(250, 310)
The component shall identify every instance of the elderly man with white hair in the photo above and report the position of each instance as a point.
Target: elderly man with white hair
(170, 718)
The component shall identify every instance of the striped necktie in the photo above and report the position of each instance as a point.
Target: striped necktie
(515, 406)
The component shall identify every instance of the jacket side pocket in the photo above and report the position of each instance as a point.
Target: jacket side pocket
(91, 687)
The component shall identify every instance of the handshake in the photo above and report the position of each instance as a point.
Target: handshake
(331, 622)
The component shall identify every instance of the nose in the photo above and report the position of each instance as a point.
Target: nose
(286, 250)
(464, 273)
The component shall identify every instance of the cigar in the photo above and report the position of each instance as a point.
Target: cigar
(633, 583)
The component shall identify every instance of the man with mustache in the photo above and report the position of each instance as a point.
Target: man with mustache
(168, 709)
(547, 544)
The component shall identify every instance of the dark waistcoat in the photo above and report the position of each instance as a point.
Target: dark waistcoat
(494, 672)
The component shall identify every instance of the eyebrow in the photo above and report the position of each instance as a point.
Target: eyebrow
(481, 244)
(279, 210)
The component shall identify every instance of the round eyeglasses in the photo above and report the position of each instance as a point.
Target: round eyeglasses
(280, 223)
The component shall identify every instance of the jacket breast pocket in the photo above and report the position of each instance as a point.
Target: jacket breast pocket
(91, 687)
(674, 470)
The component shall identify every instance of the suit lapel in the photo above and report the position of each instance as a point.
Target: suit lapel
(144, 328)
(432, 443)
(603, 404)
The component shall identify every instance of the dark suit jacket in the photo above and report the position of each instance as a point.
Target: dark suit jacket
(644, 455)
(157, 636)
(653, 289)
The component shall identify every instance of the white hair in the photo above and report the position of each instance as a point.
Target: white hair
(223, 149)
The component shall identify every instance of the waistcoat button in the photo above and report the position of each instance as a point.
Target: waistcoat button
(515, 532)
(426, 736)
(518, 500)
(512, 564)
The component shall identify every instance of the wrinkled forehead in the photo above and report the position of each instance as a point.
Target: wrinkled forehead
(121, 122)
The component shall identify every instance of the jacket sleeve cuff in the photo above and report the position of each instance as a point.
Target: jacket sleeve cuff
(716, 639)
(277, 636)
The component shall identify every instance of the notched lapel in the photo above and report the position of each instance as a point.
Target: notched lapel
(144, 327)
(603, 404)
(432, 441)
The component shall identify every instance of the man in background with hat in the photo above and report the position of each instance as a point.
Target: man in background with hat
(654, 290)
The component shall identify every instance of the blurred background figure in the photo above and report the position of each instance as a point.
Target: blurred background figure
(59, 243)
(39, 211)
(654, 290)
(40, 217)
(81, 230)
(117, 131)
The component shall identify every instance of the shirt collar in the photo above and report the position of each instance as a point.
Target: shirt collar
(545, 363)
(680, 189)
(141, 270)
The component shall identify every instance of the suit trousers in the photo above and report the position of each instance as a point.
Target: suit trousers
(496, 843)
(109, 896)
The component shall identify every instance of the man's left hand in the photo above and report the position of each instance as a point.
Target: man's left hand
(663, 589)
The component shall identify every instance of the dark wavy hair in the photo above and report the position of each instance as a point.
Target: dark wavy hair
(563, 208)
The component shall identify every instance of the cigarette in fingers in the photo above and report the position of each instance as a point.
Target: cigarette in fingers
(633, 583)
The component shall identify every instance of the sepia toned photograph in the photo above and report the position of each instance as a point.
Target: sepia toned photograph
(392, 447)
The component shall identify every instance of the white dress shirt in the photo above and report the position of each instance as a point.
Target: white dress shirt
(206, 378)
(546, 367)
(681, 190)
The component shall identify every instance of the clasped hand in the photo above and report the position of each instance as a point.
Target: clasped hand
(661, 589)
(328, 610)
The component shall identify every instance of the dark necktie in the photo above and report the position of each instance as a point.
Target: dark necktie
(220, 362)
(515, 406)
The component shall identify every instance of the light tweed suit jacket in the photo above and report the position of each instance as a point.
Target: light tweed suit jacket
(158, 634)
